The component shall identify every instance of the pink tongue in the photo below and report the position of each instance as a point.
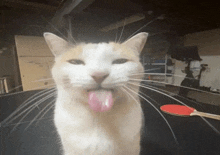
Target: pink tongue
(100, 100)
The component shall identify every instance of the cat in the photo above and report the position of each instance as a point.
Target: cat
(93, 113)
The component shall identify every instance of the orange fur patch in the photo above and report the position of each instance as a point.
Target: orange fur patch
(124, 51)
(72, 53)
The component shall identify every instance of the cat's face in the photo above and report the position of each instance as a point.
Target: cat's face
(94, 59)
(86, 67)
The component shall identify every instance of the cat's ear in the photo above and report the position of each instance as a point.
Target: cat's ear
(56, 44)
(137, 42)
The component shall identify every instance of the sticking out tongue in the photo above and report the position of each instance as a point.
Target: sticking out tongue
(100, 100)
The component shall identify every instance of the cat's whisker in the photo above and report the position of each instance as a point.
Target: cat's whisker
(122, 31)
(130, 95)
(23, 122)
(121, 88)
(12, 93)
(54, 27)
(36, 88)
(116, 33)
(9, 94)
(149, 98)
(146, 70)
(158, 92)
(40, 113)
(209, 124)
(146, 96)
(33, 106)
(26, 102)
(144, 73)
(169, 92)
(46, 112)
(161, 74)
(142, 27)
(199, 90)
(70, 37)
(30, 109)
(152, 69)
(115, 83)
(12, 89)
(47, 79)
(45, 86)
(171, 98)
(174, 136)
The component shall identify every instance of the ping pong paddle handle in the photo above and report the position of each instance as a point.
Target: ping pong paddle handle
(203, 114)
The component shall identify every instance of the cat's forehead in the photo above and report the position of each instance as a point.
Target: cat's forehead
(107, 50)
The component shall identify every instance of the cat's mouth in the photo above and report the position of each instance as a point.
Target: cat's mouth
(100, 99)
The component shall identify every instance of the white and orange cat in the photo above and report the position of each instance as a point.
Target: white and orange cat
(93, 113)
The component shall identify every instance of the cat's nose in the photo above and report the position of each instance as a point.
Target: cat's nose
(99, 77)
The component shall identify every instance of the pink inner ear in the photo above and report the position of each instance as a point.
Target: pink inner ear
(177, 109)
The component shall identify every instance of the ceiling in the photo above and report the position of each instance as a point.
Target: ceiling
(112, 19)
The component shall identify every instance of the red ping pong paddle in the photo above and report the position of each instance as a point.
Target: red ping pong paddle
(181, 110)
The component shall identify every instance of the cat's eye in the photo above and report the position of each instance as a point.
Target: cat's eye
(119, 61)
(76, 62)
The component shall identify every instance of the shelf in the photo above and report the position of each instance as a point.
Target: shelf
(160, 64)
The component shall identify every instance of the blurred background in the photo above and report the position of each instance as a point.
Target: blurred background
(184, 39)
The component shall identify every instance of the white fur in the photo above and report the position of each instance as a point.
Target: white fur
(83, 131)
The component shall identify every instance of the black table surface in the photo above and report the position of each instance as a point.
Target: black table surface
(194, 135)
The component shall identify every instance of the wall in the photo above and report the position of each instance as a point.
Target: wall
(35, 62)
(6, 66)
(208, 43)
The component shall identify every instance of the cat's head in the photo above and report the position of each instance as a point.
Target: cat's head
(86, 67)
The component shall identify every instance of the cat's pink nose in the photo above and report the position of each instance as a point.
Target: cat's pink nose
(99, 77)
